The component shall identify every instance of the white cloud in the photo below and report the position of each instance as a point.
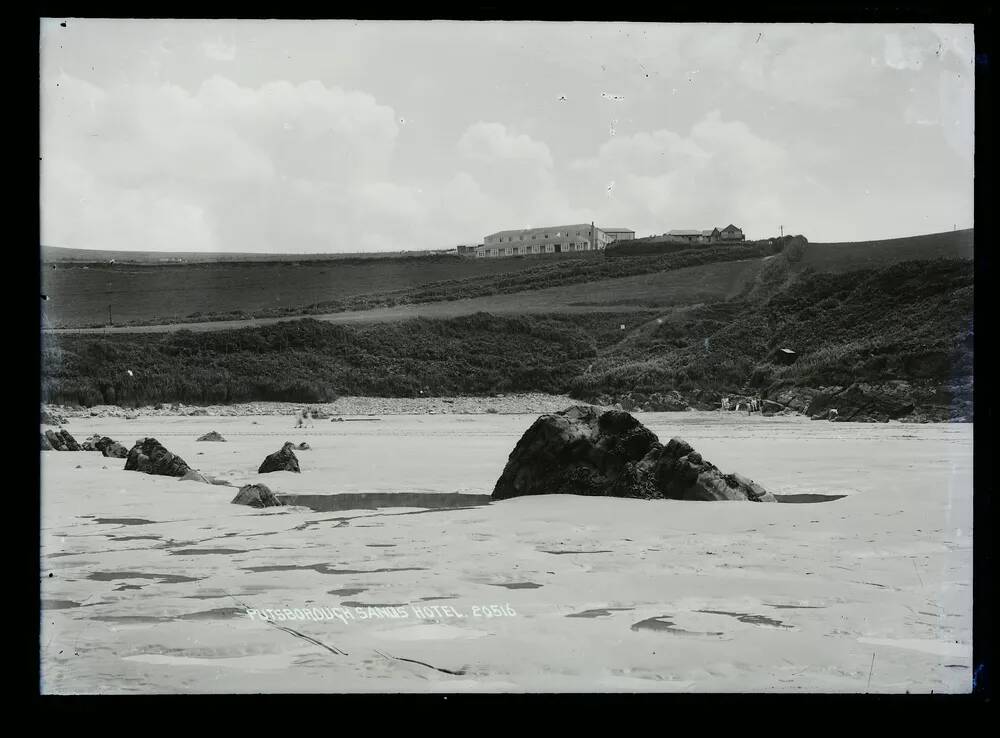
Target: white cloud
(206, 169)
(720, 171)
(492, 142)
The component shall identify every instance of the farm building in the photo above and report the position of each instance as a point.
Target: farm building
(546, 240)
(729, 234)
(620, 234)
(685, 235)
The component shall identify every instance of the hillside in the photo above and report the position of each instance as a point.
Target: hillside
(906, 329)
(444, 286)
(840, 257)
(79, 295)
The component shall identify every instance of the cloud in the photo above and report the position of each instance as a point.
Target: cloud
(225, 167)
(493, 143)
(720, 171)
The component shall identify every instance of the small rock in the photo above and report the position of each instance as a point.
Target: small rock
(256, 495)
(283, 460)
(212, 436)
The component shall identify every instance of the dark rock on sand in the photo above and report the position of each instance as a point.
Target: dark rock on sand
(212, 436)
(107, 446)
(283, 460)
(256, 495)
(61, 440)
(303, 446)
(46, 446)
(585, 451)
(149, 456)
(111, 448)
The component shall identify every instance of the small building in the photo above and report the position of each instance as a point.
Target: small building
(684, 235)
(620, 234)
(730, 234)
(467, 249)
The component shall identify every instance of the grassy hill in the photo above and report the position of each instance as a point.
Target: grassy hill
(846, 256)
(79, 295)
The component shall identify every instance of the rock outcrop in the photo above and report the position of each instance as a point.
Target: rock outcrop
(256, 495)
(584, 451)
(61, 440)
(50, 418)
(149, 456)
(107, 446)
(212, 436)
(283, 460)
(861, 402)
(670, 401)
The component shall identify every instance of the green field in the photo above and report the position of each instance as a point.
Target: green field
(80, 295)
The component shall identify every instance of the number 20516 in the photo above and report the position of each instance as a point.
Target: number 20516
(492, 611)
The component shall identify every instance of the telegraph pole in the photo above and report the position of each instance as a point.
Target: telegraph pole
(781, 228)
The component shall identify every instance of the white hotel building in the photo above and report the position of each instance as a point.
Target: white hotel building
(550, 240)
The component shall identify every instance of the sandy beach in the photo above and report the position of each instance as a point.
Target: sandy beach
(505, 404)
(146, 580)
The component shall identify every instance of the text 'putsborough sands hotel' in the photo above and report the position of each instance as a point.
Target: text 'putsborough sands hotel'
(551, 240)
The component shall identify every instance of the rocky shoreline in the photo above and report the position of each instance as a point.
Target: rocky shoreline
(343, 406)
(856, 403)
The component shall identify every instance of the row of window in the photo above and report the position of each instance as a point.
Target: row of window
(535, 236)
(536, 249)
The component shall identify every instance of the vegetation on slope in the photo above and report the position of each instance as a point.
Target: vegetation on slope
(910, 321)
(313, 361)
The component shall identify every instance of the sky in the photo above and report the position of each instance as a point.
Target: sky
(355, 136)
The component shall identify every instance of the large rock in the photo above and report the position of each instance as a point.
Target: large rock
(584, 451)
(61, 440)
(283, 460)
(256, 495)
(212, 436)
(149, 456)
(46, 445)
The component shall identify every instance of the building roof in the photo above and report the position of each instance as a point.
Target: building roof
(616, 230)
(731, 227)
(572, 226)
